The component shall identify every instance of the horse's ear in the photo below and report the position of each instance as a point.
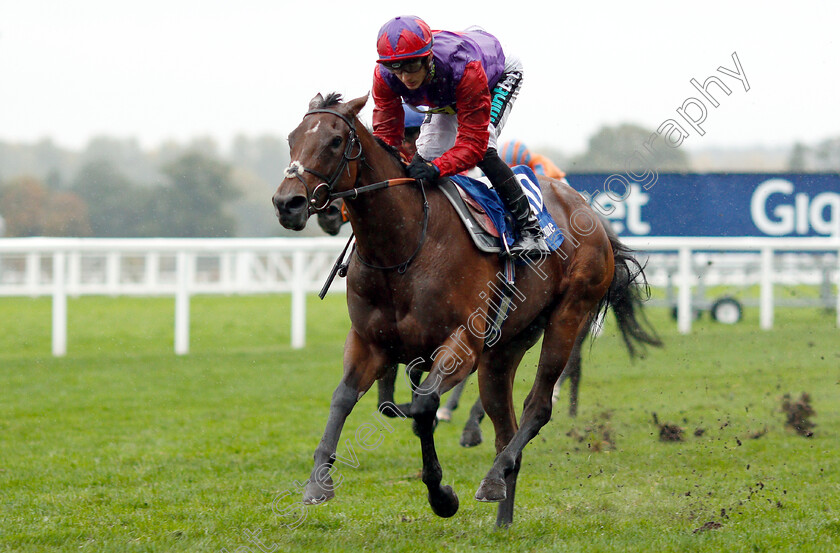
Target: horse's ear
(355, 106)
(316, 102)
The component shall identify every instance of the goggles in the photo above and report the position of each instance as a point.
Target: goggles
(405, 66)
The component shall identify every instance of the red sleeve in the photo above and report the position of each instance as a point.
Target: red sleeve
(388, 114)
(472, 101)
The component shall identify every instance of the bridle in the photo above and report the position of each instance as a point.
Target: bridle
(296, 169)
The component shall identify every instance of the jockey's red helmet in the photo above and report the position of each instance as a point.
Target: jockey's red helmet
(404, 37)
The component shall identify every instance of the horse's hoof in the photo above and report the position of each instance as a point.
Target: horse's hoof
(491, 490)
(471, 436)
(444, 414)
(315, 493)
(445, 502)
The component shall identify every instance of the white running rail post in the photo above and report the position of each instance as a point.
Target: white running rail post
(765, 313)
(685, 278)
(298, 299)
(182, 304)
(59, 306)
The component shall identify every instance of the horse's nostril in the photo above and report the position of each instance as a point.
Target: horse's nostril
(294, 204)
(297, 203)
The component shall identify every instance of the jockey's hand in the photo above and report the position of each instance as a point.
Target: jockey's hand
(421, 169)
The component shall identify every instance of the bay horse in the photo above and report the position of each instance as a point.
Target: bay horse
(330, 218)
(415, 295)
(627, 305)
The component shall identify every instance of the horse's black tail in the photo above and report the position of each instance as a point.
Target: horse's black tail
(628, 291)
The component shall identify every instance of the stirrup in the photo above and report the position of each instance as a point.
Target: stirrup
(530, 242)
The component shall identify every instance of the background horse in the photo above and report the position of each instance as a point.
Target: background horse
(416, 290)
(330, 219)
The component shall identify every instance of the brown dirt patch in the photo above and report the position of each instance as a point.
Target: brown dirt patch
(598, 434)
(668, 432)
(711, 525)
(798, 413)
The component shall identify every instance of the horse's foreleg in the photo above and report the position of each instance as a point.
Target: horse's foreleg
(362, 366)
(452, 362)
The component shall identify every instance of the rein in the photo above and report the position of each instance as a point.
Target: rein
(402, 267)
(353, 193)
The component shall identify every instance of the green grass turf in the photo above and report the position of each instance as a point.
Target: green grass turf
(123, 446)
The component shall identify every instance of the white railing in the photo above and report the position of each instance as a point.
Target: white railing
(686, 277)
(183, 267)
(161, 266)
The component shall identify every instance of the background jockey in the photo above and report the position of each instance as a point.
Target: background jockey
(514, 152)
(467, 84)
(413, 120)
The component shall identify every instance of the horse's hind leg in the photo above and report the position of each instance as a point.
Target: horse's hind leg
(496, 375)
(574, 386)
(386, 386)
(572, 372)
(445, 413)
(471, 435)
(563, 328)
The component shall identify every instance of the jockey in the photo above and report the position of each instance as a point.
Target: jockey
(467, 86)
(515, 153)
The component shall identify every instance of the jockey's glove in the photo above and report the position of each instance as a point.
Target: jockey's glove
(421, 169)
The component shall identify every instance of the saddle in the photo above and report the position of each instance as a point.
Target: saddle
(479, 225)
(484, 216)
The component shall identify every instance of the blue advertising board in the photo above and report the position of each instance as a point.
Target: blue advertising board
(719, 204)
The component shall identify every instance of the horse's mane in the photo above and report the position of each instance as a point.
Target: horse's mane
(332, 99)
(390, 149)
(335, 98)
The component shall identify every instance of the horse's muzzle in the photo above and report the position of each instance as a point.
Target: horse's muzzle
(292, 210)
(330, 219)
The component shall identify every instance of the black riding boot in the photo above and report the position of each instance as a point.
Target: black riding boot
(529, 239)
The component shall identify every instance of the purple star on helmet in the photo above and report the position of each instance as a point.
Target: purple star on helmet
(398, 25)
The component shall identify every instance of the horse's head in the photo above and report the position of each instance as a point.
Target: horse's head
(325, 151)
(331, 219)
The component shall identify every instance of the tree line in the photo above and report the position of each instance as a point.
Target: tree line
(114, 188)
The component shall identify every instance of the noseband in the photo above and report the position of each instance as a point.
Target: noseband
(353, 145)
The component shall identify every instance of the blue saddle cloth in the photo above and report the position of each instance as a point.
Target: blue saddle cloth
(489, 200)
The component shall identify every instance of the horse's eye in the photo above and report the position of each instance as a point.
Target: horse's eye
(336, 142)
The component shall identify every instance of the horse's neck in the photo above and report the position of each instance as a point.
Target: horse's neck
(388, 223)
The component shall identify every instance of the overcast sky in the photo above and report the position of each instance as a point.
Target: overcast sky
(176, 69)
